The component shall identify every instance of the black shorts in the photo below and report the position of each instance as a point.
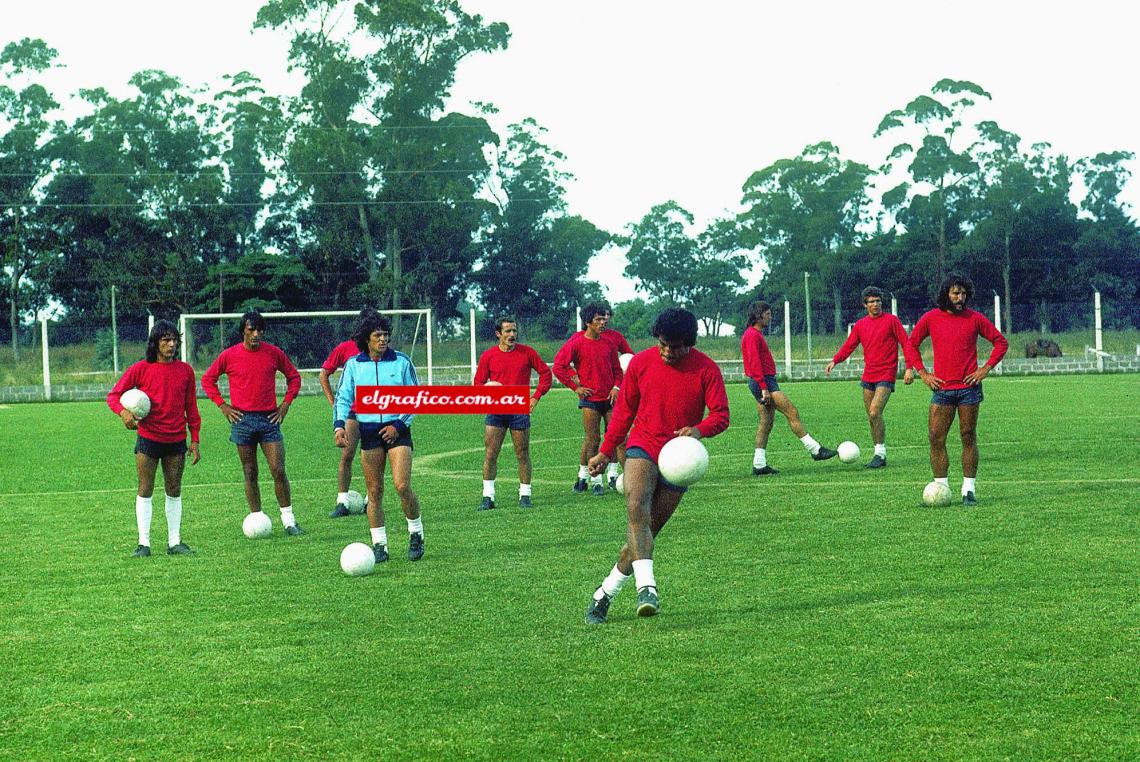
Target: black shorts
(515, 421)
(873, 385)
(370, 437)
(602, 407)
(158, 450)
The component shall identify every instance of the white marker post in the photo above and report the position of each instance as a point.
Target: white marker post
(1099, 333)
(46, 357)
(787, 338)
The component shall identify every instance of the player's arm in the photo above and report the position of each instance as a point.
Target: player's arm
(326, 386)
(844, 351)
(565, 373)
(210, 387)
(750, 352)
(129, 380)
(292, 387)
(545, 377)
(910, 354)
(345, 398)
(917, 336)
(482, 371)
(716, 401)
(403, 422)
(615, 368)
(193, 417)
(1001, 346)
(618, 429)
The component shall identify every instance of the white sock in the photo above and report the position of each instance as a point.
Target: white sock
(968, 484)
(379, 536)
(881, 450)
(583, 472)
(612, 584)
(596, 479)
(643, 573)
(809, 443)
(173, 520)
(342, 498)
(943, 480)
(524, 490)
(287, 516)
(144, 507)
(489, 488)
(612, 469)
(416, 526)
(759, 458)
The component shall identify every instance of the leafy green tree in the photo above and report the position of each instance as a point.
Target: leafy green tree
(932, 162)
(380, 167)
(800, 213)
(535, 256)
(26, 151)
(1107, 253)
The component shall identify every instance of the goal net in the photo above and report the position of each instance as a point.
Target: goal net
(306, 337)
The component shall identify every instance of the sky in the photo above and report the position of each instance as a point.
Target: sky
(677, 100)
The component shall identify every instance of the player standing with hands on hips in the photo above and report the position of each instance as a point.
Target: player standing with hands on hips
(664, 395)
(255, 417)
(954, 329)
(170, 385)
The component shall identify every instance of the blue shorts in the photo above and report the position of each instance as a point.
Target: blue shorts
(514, 422)
(254, 428)
(639, 453)
(370, 438)
(770, 381)
(971, 395)
(158, 450)
(873, 385)
(602, 407)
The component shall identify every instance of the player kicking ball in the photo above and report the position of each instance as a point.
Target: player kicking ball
(665, 393)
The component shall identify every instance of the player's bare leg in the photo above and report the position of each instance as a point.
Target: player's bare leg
(247, 454)
(493, 437)
(400, 462)
(968, 430)
(941, 417)
(591, 440)
(875, 402)
(789, 411)
(173, 467)
(275, 457)
(520, 438)
(372, 463)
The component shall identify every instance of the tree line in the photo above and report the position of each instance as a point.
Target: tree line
(363, 188)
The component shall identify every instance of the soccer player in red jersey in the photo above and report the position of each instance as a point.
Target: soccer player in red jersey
(664, 395)
(881, 335)
(170, 385)
(613, 336)
(760, 368)
(254, 415)
(510, 364)
(336, 360)
(589, 366)
(954, 329)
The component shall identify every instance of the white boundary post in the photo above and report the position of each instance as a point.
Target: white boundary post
(895, 306)
(431, 365)
(473, 361)
(997, 322)
(46, 357)
(185, 337)
(114, 333)
(787, 338)
(149, 323)
(1099, 333)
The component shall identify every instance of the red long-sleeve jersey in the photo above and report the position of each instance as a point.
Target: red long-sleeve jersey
(173, 404)
(619, 342)
(658, 399)
(342, 353)
(881, 338)
(954, 338)
(595, 361)
(758, 360)
(513, 368)
(253, 377)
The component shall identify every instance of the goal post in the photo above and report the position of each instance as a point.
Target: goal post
(306, 337)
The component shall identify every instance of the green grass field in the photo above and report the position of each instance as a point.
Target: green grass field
(821, 613)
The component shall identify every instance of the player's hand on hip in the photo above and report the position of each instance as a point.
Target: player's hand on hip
(278, 415)
(232, 414)
(976, 377)
(583, 392)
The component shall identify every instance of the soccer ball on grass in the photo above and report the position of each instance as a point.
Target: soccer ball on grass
(848, 452)
(257, 526)
(355, 503)
(936, 495)
(357, 559)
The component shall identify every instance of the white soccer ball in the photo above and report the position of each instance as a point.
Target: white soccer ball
(848, 452)
(136, 401)
(683, 460)
(619, 484)
(624, 361)
(936, 494)
(493, 383)
(257, 525)
(355, 502)
(357, 559)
